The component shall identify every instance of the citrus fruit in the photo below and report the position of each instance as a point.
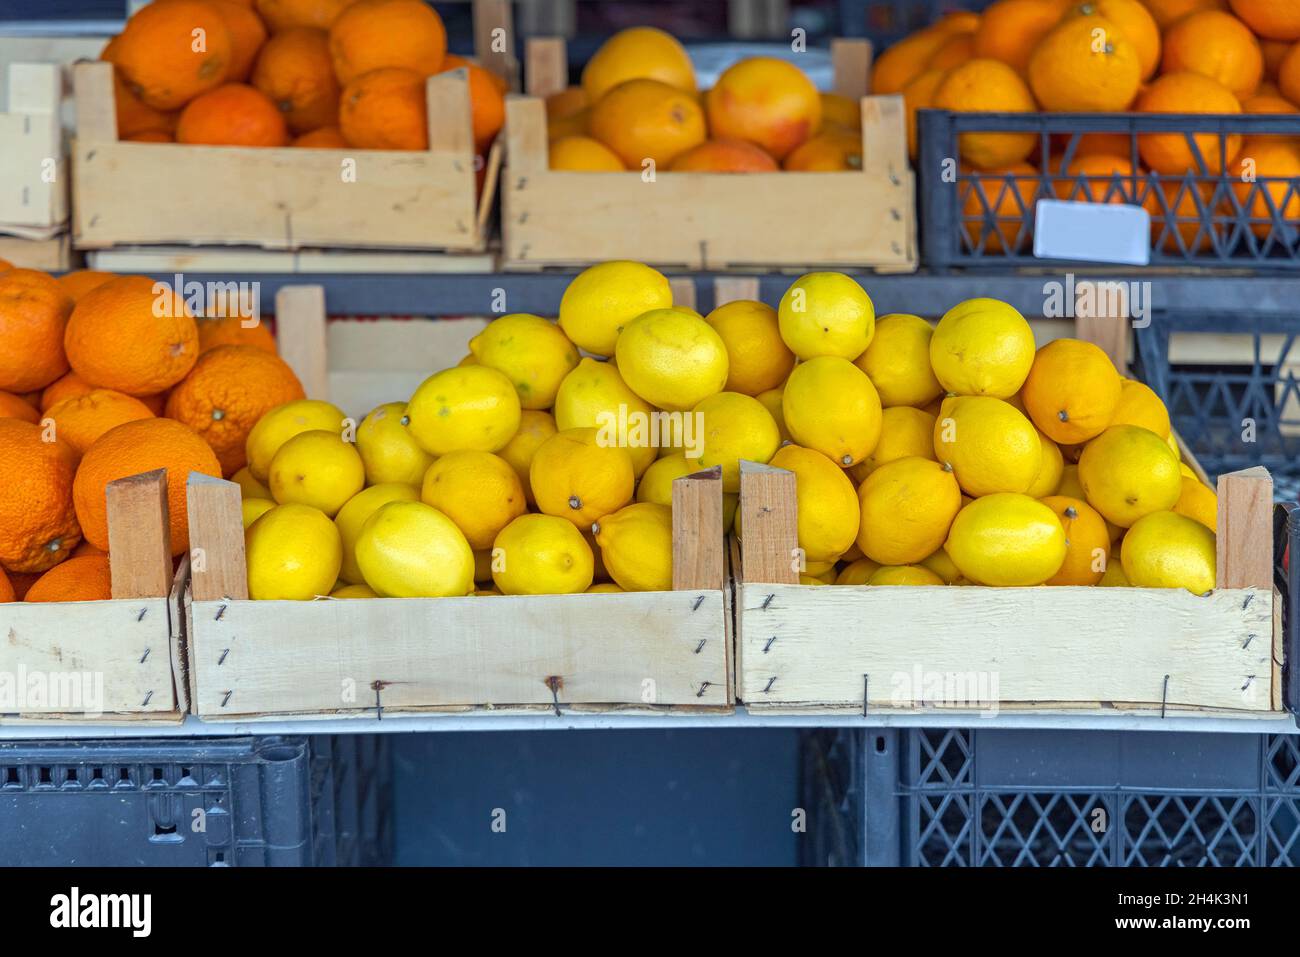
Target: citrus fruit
(656, 484)
(534, 428)
(982, 347)
(904, 575)
(468, 407)
(1139, 405)
(1007, 539)
(575, 477)
(1085, 64)
(594, 396)
(251, 509)
(1087, 541)
(857, 573)
(479, 491)
(989, 446)
(904, 431)
(898, 361)
(412, 550)
(1048, 479)
(766, 101)
(647, 124)
(734, 427)
(531, 351)
(1166, 550)
(38, 524)
(316, 468)
(637, 52)
(293, 553)
(830, 405)
(541, 555)
(352, 516)
(636, 545)
(604, 298)
(671, 359)
(1200, 502)
(34, 312)
(826, 314)
(827, 506)
(907, 507)
(1072, 390)
(388, 451)
(757, 358)
(1128, 472)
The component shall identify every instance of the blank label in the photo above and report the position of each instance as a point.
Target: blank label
(1092, 232)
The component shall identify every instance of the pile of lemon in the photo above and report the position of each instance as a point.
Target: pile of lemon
(924, 455)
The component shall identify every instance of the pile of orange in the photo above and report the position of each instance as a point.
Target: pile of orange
(1151, 56)
(639, 108)
(325, 74)
(103, 377)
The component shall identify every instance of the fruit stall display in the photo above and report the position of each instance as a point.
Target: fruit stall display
(1186, 109)
(33, 169)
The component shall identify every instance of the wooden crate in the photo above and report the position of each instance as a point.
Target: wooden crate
(33, 168)
(649, 651)
(708, 220)
(131, 643)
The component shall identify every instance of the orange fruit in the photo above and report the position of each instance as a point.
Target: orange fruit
(1010, 30)
(1218, 45)
(1275, 163)
(1134, 22)
(1178, 210)
(81, 420)
(85, 548)
(156, 404)
(1092, 179)
(133, 448)
(295, 71)
(375, 34)
(1274, 52)
(1288, 74)
(1009, 201)
(956, 50)
(487, 104)
(638, 53)
(647, 119)
(1072, 391)
(34, 313)
(247, 34)
(725, 156)
(832, 151)
(1265, 104)
(585, 154)
(1087, 541)
(984, 86)
(5, 265)
(234, 114)
(568, 102)
(80, 281)
(325, 138)
(64, 388)
(1085, 65)
(115, 339)
(281, 15)
(1169, 12)
(1274, 19)
(766, 101)
(157, 54)
(906, 60)
(83, 578)
(6, 588)
(1089, 144)
(385, 110)
(229, 389)
(1186, 93)
(149, 136)
(133, 115)
(231, 331)
(575, 124)
(918, 94)
(842, 112)
(38, 526)
(453, 61)
(16, 407)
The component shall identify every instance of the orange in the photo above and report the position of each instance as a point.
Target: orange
(918, 94)
(1274, 52)
(647, 120)
(281, 15)
(1110, 144)
(325, 138)
(1186, 93)
(385, 110)
(232, 115)
(1087, 541)
(38, 527)
(5, 265)
(1275, 163)
(639, 53)
(906, 60)
(833, 151)
(373, 34)
(64, 388)
(34, 313)
(16, 407)
(1169, 12)
(229, 389)
(1262, 103)
(1288, 75)
(1134, 22)
(149, 136)
(1010, 30)
(1274, 19)
(575, 124)
(1217, 45)
(133, 115)
(766, 101)
(984, 86)
(161, 56)
(1092, 179)
(453, 61)
(83, 578)
(85, 548)
(1085, 65)
(126, 336)
(958, 21)
(156, 404)
(296, 73)
(1072, 391)
(841, 112)
(1177, 211)
(133, 448)
(956, 50)
(725, 156)
(81, 420)
(247, 34)
(1010, 201)
(231, 331)
(568, 102)
(80, 281)
(585, 154)
(6, 588)
(487, 104)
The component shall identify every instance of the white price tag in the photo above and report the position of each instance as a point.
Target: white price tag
(1092, 232)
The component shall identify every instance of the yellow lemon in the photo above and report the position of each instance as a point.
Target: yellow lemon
(1070, 484)
(672, 360)
(830, 405)
(478, 491)
(387, 449)
(412, 550)
(635, 53)
(284, 422)
(469, 359)
(771, 400)
(316, 468)
(898, 361)
(1186, 469)
(904, 575)
(988, 444)
(1172, 442)
(604, 298)
(1199, 502)
(907, 507)
(636, 544)
(656, 484)
(255, 508)
(574, 476)
(827, 506)
(1139, 405)
(352, 516)
(982, 347)
(531, 352)
(941, 563)
(469, 407)
(293, 553)
(757, 358)
(810, 580)
(819, 569)
(1072, 390)
(594, 396)
(1128, 472)
(1114, 577)
(734, 427)
(249, 486)
(1007, 539)
(904, 431)
(605, 588)
(1167, 550)
(534, 428)
(353, 591)
(1087, 541)
(1050, 470)
(541, 555)
(826, 314)
(857, 573)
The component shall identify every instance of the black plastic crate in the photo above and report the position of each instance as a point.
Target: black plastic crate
(886, 21)
(272, 801)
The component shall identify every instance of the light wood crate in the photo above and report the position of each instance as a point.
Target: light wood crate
(33, 167)
(863, 218)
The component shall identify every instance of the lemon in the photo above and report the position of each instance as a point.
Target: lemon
(412, 550)
(672, 360)
(534, 428)
(898, 361)
(254, 508)
(904, 431)
(907, 506)
(819, 569)
(941, 563)
(733, 427)
(352, 516)
(388, 451)
(541, 555)
(293, 553)
(826, 314)
(1187, 472)
(1199, 502)
(1139, 405)
(1007, 539)
(1087, 541)
(249, 486)
(810, 580)
(284, 422)
(857, 573)
(469, 407)
(1167, 550)
(988, 444)
(656, 484)
(605, 588)
(316, 468)
(594, 396)
(353, 591)
(1050, 470)
(604, 298)
(1070, 484)
(1114, 577)
(575, 477)
(531, 351)
(636, 544)
(830, 405)
(1072, 390)
(1172, 442)
(757, 358)
(827, 505)
(478, 491)
(982, 347)
(1128, 472)
(904, 575)
(469, 359)
(771, 400)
